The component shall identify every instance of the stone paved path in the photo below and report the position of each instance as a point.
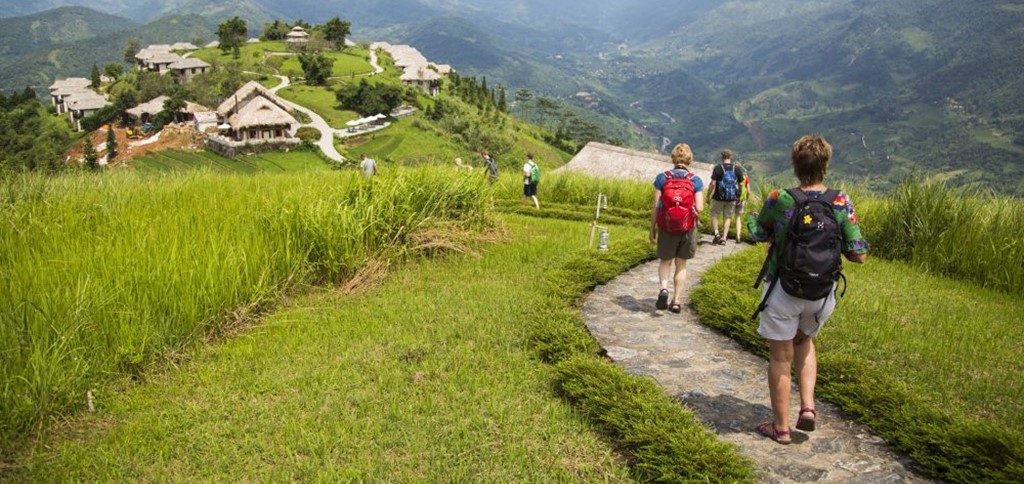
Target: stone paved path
(726, 385)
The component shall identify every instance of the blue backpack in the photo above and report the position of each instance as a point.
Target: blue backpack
(729, 187)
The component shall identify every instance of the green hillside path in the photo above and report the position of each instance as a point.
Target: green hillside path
(726, 385)
(326, 141)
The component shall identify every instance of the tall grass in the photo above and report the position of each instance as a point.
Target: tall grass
(99, 275)
(581, 190)
(965, 235)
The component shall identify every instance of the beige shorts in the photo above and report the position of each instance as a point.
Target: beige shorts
(728, 208)
(784, 314)
(678, 246)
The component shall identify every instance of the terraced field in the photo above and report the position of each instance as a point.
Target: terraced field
(266, 162)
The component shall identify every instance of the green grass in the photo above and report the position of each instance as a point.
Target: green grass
(102, 275)
(349, 63)
(961, 234)
(322, 101)
(406, 144)
(170, 161)
(415, 379)
(251, 58)
(932, 364)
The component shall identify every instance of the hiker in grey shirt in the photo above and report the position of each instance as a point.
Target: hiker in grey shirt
(368, 166)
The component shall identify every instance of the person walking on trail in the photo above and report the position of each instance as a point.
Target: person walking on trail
(810, 228)
(677, 203)
(490, 166)
(368, 165)
(725, 190)
(531, 178)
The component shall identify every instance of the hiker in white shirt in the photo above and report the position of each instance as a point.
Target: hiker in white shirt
(531, 178)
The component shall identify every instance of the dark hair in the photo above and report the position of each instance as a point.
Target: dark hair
(811, 155)
(727, 154)
(529, 155)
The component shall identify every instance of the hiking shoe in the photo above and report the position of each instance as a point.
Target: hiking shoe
(675, 307)
(718, 239)
(662, 300)
(807, 419)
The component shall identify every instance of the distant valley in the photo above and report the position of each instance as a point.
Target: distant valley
(903, 88)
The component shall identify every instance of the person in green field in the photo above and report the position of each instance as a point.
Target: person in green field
(821, 227)
(531, 178)
(368, 165)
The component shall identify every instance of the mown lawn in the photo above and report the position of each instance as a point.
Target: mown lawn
(322, 101)
(348, 63)
(403, 142)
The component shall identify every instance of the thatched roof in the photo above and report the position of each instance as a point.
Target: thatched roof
(298, 34)
(156, 105)
(607, 161)
(87, 102)
(261, 112)
(72, 91)
(150, 51)
(189, 63)
(164, 58)
(212, 44)
(421, 74)
(247, 93)
(71, 82)
(183, 46)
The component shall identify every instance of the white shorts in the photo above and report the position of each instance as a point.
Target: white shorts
(785, 314)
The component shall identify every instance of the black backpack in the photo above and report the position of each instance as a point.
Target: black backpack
(810, 262)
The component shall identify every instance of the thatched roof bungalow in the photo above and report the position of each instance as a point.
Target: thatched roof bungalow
(607, 161)
(297, 38)
(185, 69)
(255, 114)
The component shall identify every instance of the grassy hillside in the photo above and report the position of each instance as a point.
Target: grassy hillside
(226, 246)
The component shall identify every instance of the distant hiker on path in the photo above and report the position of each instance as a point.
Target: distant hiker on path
(531, 178)
(808, 228)
(677, 203)
(368, 165)
(726, 191)
(490, 166)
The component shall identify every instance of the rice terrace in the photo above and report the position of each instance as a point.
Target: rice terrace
(297, 254)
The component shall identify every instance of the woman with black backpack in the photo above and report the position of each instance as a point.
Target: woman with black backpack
(809, 228)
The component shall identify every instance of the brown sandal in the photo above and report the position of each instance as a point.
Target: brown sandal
(768, 429)
(804, 423)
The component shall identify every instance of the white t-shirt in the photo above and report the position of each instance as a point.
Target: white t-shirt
(368, 166)
(527, 171)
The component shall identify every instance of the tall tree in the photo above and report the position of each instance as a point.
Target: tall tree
(523, 97)
(113, 70)
(502, 99)
(95, 77)
(232, 34)
(111, 144)
(336, 30)
(275, 31)
(131, 47)
(316, 67)
(92, 160)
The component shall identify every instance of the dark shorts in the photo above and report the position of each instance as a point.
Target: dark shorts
(677, 246)
(529, 189)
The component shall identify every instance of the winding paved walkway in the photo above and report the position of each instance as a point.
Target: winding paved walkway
(727, 386)
(326, 142)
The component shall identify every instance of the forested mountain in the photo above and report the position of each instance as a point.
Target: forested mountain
(40, 67)
(899, 86)
(22, 35)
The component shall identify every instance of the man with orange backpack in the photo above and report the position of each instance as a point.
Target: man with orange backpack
(677, 203)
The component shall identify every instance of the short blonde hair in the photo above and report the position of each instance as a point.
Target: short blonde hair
(811, 155)
(682, 155)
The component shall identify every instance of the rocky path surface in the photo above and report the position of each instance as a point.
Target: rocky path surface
(726, 385)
